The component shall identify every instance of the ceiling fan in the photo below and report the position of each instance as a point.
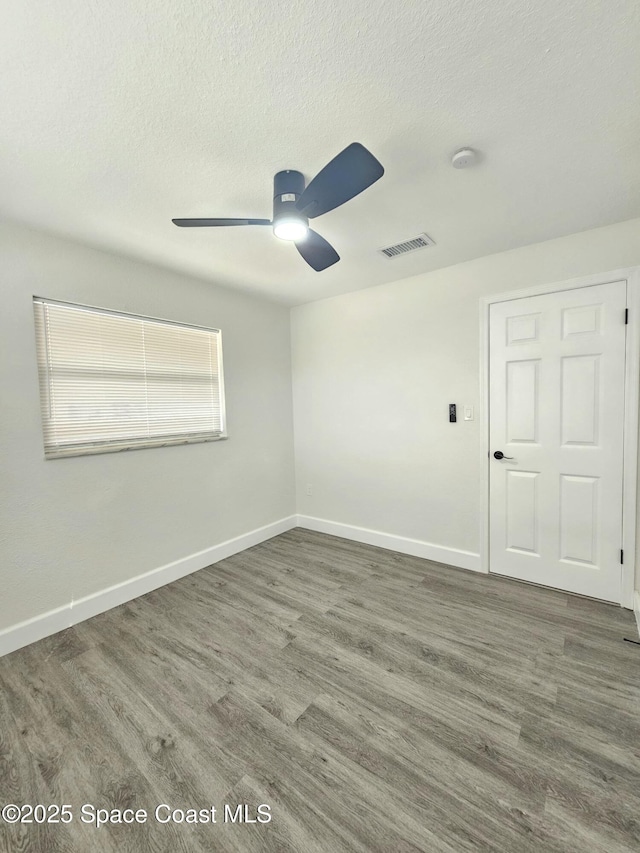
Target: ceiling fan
(343, 178)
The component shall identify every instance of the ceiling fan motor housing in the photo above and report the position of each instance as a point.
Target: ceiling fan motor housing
(288, 186)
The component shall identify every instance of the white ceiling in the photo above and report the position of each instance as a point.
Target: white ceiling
(117, 116)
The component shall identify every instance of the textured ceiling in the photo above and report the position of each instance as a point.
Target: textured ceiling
(116, 116)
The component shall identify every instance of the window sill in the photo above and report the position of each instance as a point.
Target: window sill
(98, 449)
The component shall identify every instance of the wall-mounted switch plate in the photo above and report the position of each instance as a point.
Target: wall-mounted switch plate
(468, 413)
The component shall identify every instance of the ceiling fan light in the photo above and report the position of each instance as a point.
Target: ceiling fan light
(290, 229)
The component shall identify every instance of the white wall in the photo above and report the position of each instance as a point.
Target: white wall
(375, 370)
(72, 527)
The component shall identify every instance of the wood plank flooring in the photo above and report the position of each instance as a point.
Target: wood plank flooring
(378, 703)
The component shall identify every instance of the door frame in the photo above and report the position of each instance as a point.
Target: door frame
(631, 400)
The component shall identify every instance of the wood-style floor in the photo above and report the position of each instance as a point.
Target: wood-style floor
(376, 702)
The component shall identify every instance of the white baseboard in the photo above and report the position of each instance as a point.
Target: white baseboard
(70, 614)
(414, 547)
(636, 609)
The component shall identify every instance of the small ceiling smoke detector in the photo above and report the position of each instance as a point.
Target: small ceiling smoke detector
(464, 158)
(422, 241)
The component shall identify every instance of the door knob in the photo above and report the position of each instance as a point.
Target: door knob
(500, 455)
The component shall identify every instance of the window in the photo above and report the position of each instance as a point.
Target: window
(111, 381)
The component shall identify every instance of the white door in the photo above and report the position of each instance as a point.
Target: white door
(556, 409)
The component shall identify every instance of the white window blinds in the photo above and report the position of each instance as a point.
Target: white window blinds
(111, 381)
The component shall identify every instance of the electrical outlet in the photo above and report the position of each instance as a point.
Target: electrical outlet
(309, 489)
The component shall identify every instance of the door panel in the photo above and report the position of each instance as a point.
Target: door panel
(580, 393)
(522, 512)
(522, 330)
(522, 401)
(557, 406)
(582, 320)
(579, 513)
